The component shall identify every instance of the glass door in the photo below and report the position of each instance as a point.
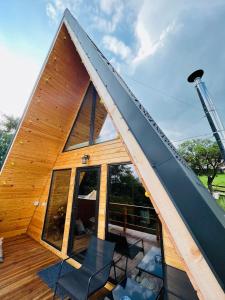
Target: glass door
(55, 216)
(84, 219)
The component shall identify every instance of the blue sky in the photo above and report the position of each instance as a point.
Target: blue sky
(154, 45)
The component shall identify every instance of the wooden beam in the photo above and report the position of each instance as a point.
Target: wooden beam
(102, 202)
(68, 213)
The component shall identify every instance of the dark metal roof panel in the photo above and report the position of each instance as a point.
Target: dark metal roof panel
(204, 219)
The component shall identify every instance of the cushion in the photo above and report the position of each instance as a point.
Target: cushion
(1, 250)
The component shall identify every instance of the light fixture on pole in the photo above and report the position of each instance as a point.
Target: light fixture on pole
(209, 109)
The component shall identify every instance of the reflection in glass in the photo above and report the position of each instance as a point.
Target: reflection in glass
(56, 209)
(92, 125)
(104, 129)
(85, 209)
(129, 208)
(80, 133)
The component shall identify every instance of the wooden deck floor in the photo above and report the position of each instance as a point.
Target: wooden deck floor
(18, 274)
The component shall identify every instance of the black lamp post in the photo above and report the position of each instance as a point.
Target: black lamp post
(209, 109)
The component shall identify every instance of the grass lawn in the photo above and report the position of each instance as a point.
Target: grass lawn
(219, 180)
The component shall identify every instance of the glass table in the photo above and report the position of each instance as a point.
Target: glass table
(129, 289)
(152, 263)
(146, 284)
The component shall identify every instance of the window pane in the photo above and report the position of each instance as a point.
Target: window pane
(85, 207)
(129, 208)
(80, 133)
(131, 217)
(56, 209)
(104, 129)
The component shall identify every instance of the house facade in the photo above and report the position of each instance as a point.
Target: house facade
(88, 159)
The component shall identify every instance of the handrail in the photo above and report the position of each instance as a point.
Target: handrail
(131, 205)
(144, 227)
(121, 211)
(131, 215)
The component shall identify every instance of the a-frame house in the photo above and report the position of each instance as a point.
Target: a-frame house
(82, 133)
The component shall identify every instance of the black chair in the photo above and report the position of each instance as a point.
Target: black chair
(79, 284)
(126, 249)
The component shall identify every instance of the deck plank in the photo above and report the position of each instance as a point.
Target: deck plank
(24, 257)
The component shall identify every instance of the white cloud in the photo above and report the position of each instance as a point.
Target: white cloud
(55, 8)
(102, 24)
(105, 15)
(148, 46)
(114, 10)
(116, 46)
(17, 76)
(51, 11)
(151, 31)
(107, 5)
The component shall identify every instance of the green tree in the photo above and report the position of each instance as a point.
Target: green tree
(8, 126)
(203, 156)
(125, 186)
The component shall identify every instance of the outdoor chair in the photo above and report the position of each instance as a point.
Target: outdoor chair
(79, 284)
(126, 249)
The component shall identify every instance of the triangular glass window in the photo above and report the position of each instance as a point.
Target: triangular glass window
(80, 133)
(93, 124)
(104, 129)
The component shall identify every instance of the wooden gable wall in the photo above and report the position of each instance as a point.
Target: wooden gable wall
(37, 150)
(41, 135)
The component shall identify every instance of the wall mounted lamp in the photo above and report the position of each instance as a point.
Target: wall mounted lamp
(85, 159)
